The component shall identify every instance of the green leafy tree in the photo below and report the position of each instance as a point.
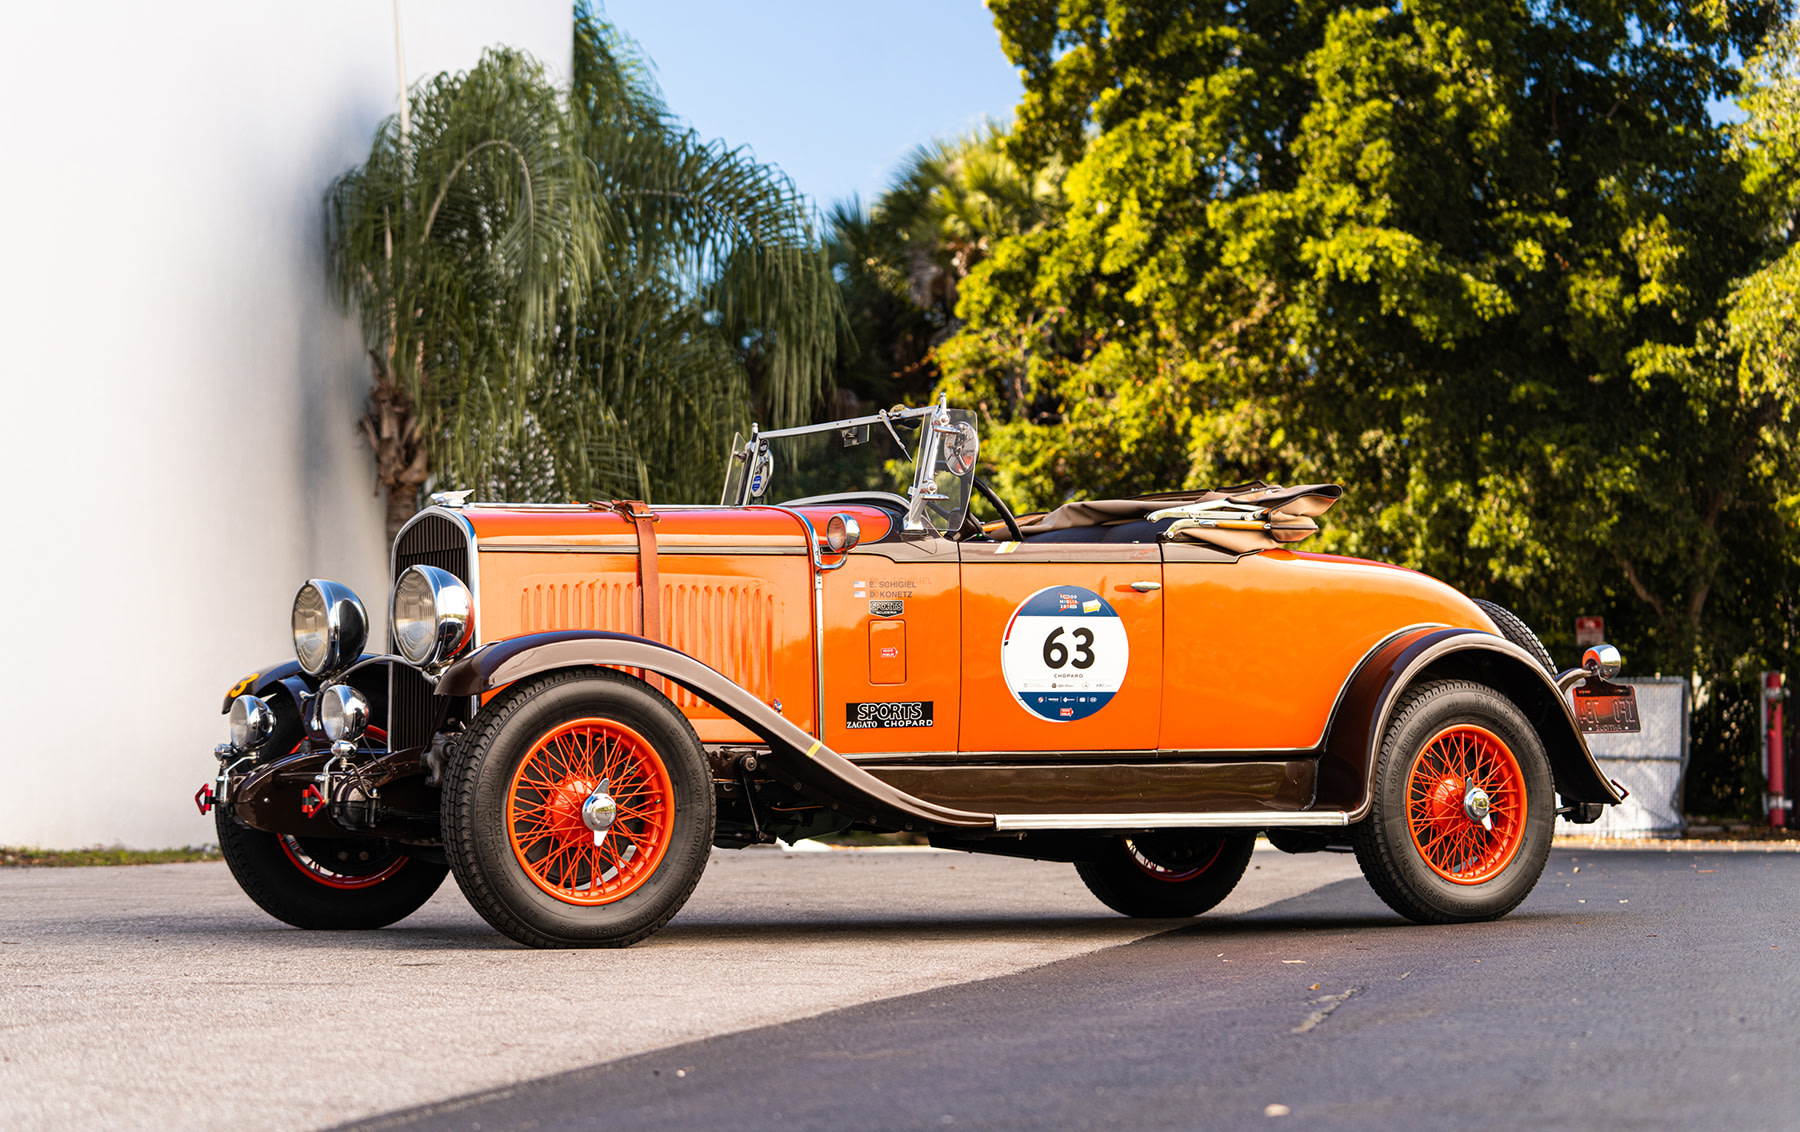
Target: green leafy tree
(1477, 262)
(566, 294)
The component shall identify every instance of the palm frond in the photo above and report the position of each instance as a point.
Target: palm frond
(573, 292)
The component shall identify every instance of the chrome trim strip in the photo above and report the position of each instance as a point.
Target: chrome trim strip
(850, 422)
(1225, 819)
(819, 570)
(632, 550)
(1144, 554)
(1146, 755)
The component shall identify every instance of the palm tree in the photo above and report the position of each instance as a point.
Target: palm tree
(568, 295)
(901, 260)
(953, 200)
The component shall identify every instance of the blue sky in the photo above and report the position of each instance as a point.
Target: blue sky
(835, 92)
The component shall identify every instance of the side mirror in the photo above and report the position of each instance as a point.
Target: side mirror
(842, 533)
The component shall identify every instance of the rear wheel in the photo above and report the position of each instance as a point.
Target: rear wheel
(1163, 875)
(1460, 823)
(327, 883)
(578, 811)
(1514, 629)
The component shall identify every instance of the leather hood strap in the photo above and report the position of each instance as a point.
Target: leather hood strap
(649, 584)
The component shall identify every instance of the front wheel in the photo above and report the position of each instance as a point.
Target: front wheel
(326, 883)
(1166, 875)
(1460, 823)
(578, 811)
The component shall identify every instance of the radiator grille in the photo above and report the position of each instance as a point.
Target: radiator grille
(432, 541)
(730, 625)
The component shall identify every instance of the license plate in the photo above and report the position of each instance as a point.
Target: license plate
(1604, 707)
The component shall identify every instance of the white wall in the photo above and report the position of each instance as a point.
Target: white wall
(178, 393)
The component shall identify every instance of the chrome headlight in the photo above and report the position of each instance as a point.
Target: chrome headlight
(343, 713)
(330, 626)
(251, 722)
(432, 616)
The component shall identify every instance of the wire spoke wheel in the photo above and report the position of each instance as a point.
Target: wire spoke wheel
(328, 883)
(1462, 806)
(1172, 860)
(342, 863)
(560, 854)
(1166, 873)
(1465, 804)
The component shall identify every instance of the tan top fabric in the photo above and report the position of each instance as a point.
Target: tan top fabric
(1260, 516)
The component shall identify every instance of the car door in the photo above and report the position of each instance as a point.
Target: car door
(888, 672)
(1062, 648)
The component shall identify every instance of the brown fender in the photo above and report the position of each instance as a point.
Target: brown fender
(815, 768)
(1347, 767)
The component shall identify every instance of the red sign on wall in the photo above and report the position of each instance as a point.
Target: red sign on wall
(1589, 631)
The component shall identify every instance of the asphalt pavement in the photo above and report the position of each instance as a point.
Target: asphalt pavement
(160, 998)
(1633, 990)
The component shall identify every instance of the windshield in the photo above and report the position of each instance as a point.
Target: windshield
(856, 458)
(951, 477)
(880, 453)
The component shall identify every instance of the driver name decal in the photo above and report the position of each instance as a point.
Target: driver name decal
(1064, 653)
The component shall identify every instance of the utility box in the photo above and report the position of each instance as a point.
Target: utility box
(1650, 763)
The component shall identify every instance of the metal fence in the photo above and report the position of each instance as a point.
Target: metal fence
(1651, 764)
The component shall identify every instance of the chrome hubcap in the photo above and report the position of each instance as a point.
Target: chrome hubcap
(1476, 805)
(599, 811)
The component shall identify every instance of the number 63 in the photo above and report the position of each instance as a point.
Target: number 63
(1056, 654)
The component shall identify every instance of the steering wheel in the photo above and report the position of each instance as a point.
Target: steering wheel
(1006, 515)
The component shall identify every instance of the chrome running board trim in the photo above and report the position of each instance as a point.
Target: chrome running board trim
(1244, 819)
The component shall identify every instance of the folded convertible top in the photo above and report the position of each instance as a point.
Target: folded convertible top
(1240, 519)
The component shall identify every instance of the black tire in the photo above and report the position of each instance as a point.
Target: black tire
(296, 880)
(478, 782)
(1167, 875)
(1386, 847)
(1515, 630)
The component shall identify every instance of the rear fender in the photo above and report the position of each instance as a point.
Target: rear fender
(1347, 767)
(807, 763)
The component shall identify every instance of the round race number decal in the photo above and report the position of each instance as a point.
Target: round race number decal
(1065, 653)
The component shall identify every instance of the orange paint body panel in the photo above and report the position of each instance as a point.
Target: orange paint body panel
(1258, 649)
(1226, 656)
(887, 652)
(926, 591)
(736, 593)
(994, 587)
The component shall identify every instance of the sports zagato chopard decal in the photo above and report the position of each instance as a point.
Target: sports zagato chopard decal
(913, 713)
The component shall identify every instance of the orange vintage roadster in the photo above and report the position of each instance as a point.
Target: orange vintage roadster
(582, 701)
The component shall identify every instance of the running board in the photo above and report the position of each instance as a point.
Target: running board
(1244, 819)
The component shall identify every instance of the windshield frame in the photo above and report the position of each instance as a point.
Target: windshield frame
(934, 422)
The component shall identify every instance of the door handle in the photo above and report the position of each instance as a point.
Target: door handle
(1146, 587)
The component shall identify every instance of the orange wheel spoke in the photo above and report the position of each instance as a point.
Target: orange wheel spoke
(543, 811)
(1455, 846)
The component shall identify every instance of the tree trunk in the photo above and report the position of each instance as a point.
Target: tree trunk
(401, 463)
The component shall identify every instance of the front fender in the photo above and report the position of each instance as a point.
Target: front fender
(288, 679)
(1347, 767)
(812, 766)
(267, 680)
